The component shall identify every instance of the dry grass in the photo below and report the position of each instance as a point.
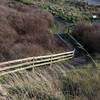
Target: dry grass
(52, 83)
(25, 31)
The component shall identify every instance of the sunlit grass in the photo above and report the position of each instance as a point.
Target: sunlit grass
(52, 83)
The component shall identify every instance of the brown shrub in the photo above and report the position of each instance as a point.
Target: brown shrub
(88, 35)
(24, 32)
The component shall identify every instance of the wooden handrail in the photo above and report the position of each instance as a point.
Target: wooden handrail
(26, 63)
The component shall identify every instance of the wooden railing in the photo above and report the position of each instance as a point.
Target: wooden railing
(31, 62)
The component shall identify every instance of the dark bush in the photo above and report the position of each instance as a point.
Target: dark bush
(89, 36)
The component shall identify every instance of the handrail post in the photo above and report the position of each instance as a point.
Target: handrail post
(51, 61)
(73, 53)
(33, 65)
(31, 69)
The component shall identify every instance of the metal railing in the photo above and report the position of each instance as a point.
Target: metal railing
(31, 62)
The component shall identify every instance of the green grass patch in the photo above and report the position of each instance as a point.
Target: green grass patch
(25, 1)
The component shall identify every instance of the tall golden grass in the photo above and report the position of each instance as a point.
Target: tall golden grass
(55, 82)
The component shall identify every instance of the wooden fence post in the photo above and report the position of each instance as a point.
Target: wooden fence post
(51, 61)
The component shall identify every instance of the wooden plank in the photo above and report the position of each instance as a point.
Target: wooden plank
(31, 62)
(16, 61)
(27, 63)
(53, 58)
(54, 55)
(4, 73)
(16, 66)
(31, 58)
(37, 65)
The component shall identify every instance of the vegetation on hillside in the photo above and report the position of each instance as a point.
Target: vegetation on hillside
(26, 31)
(88, 35)
(52, 83)
(65, 9)
(62, 81)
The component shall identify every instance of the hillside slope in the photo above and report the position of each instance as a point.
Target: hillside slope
(25, 32)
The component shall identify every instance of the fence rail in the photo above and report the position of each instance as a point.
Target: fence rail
(31, 62)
